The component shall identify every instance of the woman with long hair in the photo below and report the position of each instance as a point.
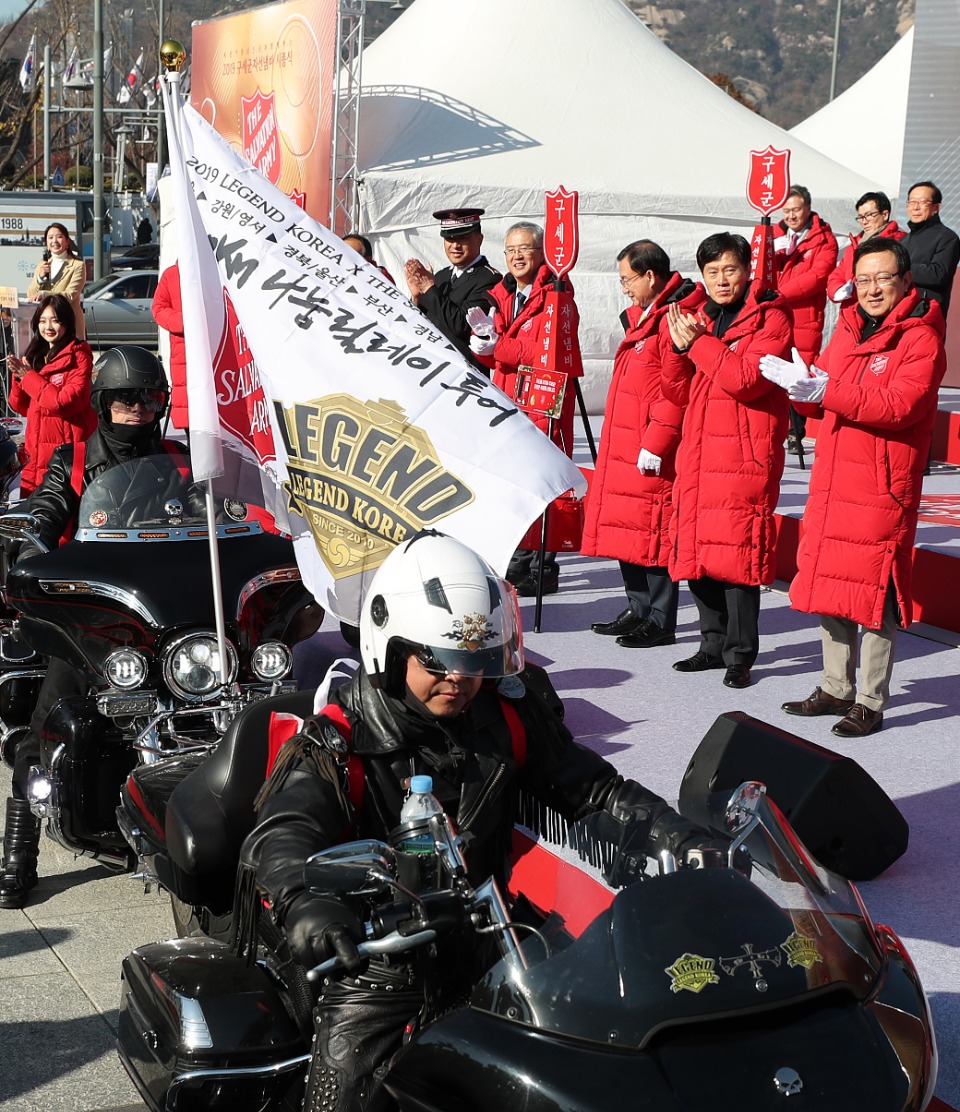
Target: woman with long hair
(50, 386)
(61, 270)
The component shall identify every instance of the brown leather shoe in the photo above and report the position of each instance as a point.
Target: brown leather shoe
(818, 703)
(859, 722)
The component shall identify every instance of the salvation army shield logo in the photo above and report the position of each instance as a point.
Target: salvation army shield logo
(260, 135)
(769, 180)
(241, 402)
(561, 237)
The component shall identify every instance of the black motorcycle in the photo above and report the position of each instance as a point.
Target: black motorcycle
(727, 981)
(128, 604)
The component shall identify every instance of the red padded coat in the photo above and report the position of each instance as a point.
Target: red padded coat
(731, 455)
(56, 403)
(168, 313)
(861, 515)
(802, 279)
(519, 345)
(628, 512)
(843, 271)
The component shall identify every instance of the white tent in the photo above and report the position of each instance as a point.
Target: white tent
(864, 127)
(492, 102)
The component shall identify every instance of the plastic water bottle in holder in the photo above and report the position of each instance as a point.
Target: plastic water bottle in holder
(414, 840)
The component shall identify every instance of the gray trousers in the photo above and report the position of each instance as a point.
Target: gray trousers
(876, 657)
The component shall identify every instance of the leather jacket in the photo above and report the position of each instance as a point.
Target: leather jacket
(476, 779)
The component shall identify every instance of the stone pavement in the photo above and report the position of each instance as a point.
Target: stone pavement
(60, 984)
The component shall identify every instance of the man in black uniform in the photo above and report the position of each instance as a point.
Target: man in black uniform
(445, 297)
(129, 394)
(441, 692)
(934, 248)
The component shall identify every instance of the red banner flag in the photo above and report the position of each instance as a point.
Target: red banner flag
(762, 256)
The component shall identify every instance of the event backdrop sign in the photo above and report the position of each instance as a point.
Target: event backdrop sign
(265, 79)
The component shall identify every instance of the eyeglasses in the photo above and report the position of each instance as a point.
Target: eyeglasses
(520, 249)
(626, 283)
(793, 211)
(865, 217)
(920, 202)
(129, 399)
(884, 281)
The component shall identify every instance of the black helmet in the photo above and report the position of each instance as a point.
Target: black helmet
(125, 368)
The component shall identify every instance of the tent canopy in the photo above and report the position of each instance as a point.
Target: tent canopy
(540, 94)
(838, 130)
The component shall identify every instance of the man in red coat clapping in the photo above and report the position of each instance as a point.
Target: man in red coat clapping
(877, 394)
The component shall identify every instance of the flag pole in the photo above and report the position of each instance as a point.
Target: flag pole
(172, 57)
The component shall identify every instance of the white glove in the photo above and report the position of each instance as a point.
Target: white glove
(810, 389)
(784, 374)
(845, 291)
(647, 461)
(781, 243)
(481, 323)
(481, 346)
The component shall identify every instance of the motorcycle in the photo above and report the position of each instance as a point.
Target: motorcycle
(21, 668)
(729, 980)
(128, 604)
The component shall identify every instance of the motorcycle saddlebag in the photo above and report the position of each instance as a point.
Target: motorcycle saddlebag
(199, 1028)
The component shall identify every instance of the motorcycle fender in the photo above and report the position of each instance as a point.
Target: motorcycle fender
(88, 772)
(196, 1019)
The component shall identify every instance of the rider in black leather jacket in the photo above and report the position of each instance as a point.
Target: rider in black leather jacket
(129, 394)
(442, 659)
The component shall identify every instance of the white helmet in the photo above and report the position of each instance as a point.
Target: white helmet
(437, 598)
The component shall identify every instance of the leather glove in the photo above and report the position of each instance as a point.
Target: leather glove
(318, 927)
(481, 323)
(480, 345)
(647, 461)
(811, 389)
(781, 372)
(845, 291)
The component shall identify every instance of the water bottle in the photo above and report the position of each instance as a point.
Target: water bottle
(415, 842)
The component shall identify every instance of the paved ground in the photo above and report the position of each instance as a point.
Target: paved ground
(60, 984)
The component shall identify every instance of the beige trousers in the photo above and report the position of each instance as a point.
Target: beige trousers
(876, 657)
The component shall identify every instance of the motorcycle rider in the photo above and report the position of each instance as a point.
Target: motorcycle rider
(441, 691)
(129, 395)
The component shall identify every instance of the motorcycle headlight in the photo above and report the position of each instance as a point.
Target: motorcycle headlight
(271, 661)
(125, 669)
(191, 666)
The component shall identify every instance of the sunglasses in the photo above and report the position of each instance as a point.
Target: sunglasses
(128, 399)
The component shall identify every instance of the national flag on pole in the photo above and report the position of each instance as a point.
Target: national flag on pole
(366, 420)
(27, 66)
(131, 81)
(150, 92)
(71, 69)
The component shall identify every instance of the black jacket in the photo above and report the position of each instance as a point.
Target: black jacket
(445, 305)
(934, 254)
(475, 777)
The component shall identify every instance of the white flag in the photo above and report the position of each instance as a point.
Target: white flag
(149, 92)
(27, 66)
(379, 427)
(132, 81)
(108, 60)
(71, 68)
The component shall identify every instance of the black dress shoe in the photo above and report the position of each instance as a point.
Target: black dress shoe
(859, 722)
(820, 702)
(699, 662)
(737, 675)
(627, 621)
(527, 588)
(647, 635)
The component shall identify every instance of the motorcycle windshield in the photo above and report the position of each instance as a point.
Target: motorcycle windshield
(689, 946)
(154, 498)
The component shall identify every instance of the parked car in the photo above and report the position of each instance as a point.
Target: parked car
(117, 308)
(144, 257)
